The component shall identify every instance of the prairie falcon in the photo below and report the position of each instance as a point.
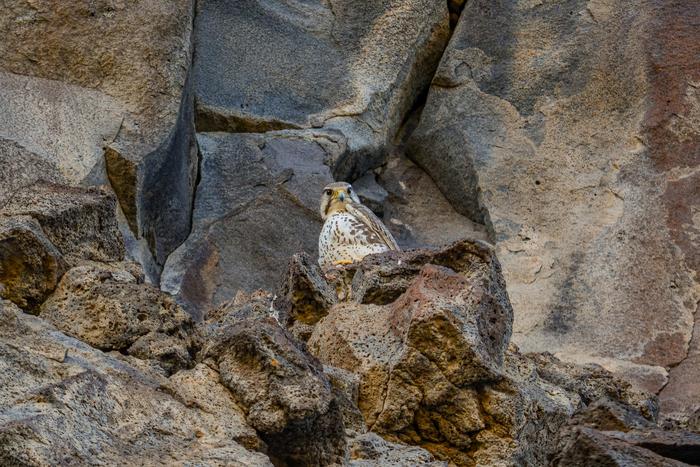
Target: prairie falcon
(351, 231)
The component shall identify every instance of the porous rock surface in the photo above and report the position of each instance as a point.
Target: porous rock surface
(110, 308)
(194, 137)
(63, 401)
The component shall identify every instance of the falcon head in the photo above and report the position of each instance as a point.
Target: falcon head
(335, 197)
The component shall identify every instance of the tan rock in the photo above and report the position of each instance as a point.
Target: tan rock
(281, 388)
(30, 266)
(79, 79)
(19, 167)
(555, 126)
(79, 222)
(109, 308)
(410, 389)
(64, 401)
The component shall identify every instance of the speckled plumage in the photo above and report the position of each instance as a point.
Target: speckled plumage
(351, 230)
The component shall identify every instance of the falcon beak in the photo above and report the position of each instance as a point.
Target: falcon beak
(341, 197)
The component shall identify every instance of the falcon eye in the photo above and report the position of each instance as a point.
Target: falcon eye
(349, 189)
(329, 192)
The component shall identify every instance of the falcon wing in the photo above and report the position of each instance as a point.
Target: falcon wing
(367, 217)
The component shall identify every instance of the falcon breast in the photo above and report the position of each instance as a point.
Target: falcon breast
(351, 231)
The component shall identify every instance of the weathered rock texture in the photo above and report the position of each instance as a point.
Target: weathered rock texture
(281, 387)
(46, 228)
(256, 204)
(469, 400)
(62, 401)
(30, 266)
(197, 136)
(350, 66)
(571, 129)
(80, 222)
(110, 308)
(416, 211)
(79, 78)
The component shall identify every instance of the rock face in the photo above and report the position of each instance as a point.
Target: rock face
(209, 393)
(63, 401)
(161, 163)
(79, 222)
(79, 79)
(567, 128)
(282, 388)
(415, 210)
(470, 400)
(256, 204)
(30, 266)
(349, 66)
(44, 229)
(111, 309)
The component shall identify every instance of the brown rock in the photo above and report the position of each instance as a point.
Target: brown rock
(108, 78)
(200, 388)
(411, 389)
(680, 403)
(370, 450)
(79, 222)
(280, 387)
(108, 308)
(346, 387)
(30, 266)
(380, 279)
(586, 446)
(679, 445)
(304, 297)
(609, 415)
(62, 401)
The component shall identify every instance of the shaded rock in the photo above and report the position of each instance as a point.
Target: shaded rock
(79, 222)
(156, 188)
(20, 167)
(415, 210)
(354, 67)
(109, 308)
(586, 446)
(558, 126)
(529, 410)
(593, 382)
(371, 450)
(280, 387)
(30, 266)
(678, 445)
(108, 75)
(62, 401)
(468, 400)
(256, 205)
(371, 193)
(609, 415)
(257, 305)
(304, 297)
(346, 388)
(679, 400)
